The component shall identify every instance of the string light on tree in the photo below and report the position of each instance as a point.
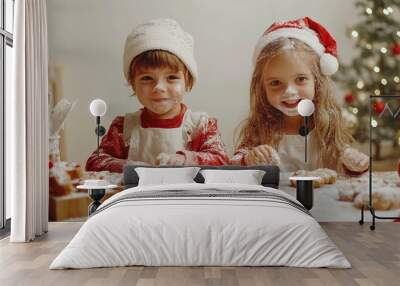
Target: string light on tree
(386, 12)
(360, 84)
(396, 79)
(377, 92)
(398, 34)
(390, 9)
(354, 34)
(363, 96)
(368, 46)
(374, 123)
(368, 11)
(377, 69)
(383, 50)
(355, 110)
(384, 81)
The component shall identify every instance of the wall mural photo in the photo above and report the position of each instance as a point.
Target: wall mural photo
(169, 87)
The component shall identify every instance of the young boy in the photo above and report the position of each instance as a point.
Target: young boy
(159, 66)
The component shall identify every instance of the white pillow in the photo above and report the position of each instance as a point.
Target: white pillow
(249, 177)
(163, 176)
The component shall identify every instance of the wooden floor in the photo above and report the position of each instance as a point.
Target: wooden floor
(374, 255)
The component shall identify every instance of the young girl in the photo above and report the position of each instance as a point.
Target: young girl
(159, 65)
(292, 62)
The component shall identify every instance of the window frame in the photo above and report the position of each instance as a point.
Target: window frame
(6, 39)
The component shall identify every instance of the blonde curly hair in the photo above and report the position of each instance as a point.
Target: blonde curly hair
(265, 123)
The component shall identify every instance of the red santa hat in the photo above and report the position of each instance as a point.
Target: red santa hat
(307, 31)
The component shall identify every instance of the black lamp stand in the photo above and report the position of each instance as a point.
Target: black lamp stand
(96, 195)
(304, 193)
(304, 188)
(304, 132)
(100, 131)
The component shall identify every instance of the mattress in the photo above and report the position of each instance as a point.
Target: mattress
(201, 225)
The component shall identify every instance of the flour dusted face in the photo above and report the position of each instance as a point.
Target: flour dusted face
(288, 101)
(287, 79)
(160, 90)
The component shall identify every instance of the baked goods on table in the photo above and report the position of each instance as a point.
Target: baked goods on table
(74, 170)
(325, 175)
(62, 177)
(385, 194)
(355, 161)
(349, 188)
(382, 199)
(60, 183)
(65, 176)
(112, 178)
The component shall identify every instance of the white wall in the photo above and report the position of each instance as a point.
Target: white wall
(86, 39)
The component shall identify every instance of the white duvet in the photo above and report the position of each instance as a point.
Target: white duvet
(200, 231)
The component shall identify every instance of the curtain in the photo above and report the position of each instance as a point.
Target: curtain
(27, 123)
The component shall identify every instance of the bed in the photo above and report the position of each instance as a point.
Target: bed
(201, 224)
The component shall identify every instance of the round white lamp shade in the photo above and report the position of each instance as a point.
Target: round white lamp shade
(98, 107)
(305, 107)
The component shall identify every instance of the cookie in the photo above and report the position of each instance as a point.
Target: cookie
(355, 161)
(347, 194)
(326, 176)
(329, 175)
(382, 199)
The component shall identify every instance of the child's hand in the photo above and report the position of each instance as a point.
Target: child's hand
(176, 159)
(170, 159)
(262, 154)
(355, 161)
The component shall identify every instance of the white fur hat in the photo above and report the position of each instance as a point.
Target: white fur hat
(160, 34)
(309, 32)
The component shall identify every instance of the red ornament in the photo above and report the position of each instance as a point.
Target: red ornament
(379, 106)
(50, 165)
(396, 49)
(349, 98)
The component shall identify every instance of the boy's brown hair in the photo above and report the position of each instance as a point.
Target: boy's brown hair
(158, 59)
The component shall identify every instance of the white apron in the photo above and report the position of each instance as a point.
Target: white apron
(291, 152)
(146, 144)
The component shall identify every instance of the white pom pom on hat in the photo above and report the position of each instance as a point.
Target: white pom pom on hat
(307, 31)
(328, 64)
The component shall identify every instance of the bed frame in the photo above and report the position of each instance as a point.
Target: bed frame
(270, 179)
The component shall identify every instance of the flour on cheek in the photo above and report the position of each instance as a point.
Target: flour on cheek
(288, 102)
(178, 91)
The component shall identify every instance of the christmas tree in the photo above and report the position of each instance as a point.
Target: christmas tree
(374, 71)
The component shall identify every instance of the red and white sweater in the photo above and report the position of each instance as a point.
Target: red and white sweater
(198, 135)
